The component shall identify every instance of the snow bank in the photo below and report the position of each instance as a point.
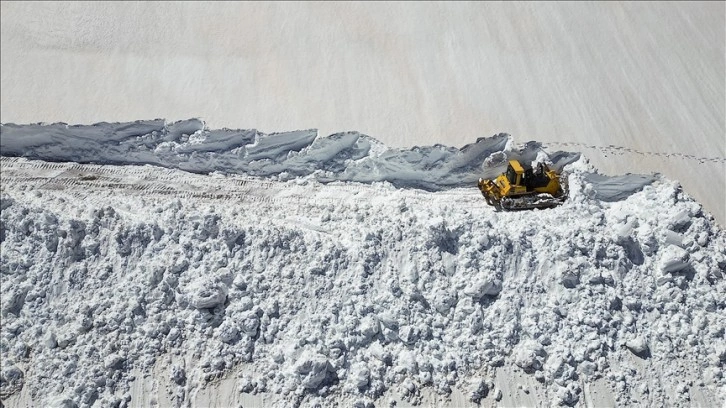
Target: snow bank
(615, 188)
(372, 290)
(189, 146)
(350, 156)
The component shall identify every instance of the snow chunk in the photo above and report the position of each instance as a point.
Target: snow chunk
(206, 292)
(314, 370)
(62, 402)
(673, 259)
(114, 361)
(228, 332)
(529, 355)
(248, 323)
(11, 380)
(638, 346)
(479, 390)
(484, 287)
(444, 300)
(359, 375)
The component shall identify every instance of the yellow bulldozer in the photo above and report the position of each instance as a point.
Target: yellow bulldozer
(521, 188)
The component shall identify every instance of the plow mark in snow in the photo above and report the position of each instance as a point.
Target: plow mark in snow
(94, 182)
(85, 180)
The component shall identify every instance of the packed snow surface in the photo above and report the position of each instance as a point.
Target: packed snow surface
(332, 280)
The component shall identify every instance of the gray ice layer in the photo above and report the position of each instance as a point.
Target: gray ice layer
(348, 156)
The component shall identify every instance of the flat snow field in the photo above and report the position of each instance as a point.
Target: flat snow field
(643, 83)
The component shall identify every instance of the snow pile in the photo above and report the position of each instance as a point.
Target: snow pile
(189, 145)
(381, 289)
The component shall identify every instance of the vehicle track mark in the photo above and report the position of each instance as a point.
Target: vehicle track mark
(95, 183)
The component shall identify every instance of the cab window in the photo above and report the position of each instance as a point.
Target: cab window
(511, 175)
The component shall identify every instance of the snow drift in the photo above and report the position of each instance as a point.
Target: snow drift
(188, 145)
(351, 290)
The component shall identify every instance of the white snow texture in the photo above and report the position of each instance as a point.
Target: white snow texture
(337, 280)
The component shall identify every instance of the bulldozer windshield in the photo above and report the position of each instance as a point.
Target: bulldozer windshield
(511, 175)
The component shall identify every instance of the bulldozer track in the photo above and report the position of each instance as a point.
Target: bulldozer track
(99, 184)
(96, 182)
(84, 179)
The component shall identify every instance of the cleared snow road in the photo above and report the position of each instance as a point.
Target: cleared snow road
(95, 183)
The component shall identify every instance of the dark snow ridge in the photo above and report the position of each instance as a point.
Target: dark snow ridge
(189, 146)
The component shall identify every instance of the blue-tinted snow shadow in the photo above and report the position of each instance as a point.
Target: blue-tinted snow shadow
(347, 156)
(616, 188)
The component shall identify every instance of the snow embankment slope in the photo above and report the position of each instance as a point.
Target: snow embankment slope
(346, 292)
(188, 145)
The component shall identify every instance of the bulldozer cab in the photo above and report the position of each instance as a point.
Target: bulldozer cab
(514, 173)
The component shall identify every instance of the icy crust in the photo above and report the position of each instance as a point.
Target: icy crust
(189, 145)
(346, 301)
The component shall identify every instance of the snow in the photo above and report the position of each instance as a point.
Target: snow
(183, 265)
(639, 87)
(301, 288)
(616, 188)
(349, 156)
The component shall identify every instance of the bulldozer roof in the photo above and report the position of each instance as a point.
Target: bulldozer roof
(516, 166)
